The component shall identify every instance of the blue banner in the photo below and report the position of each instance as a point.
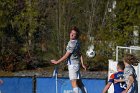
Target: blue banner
(48, 85)
(16, 85)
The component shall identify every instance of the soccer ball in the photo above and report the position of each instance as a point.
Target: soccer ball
(90, 53)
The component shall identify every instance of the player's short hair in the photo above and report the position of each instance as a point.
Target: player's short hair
(121, 65)
(76, 30)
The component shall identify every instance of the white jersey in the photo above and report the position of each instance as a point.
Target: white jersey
(74, 59)
(129, 70)
(73, 47)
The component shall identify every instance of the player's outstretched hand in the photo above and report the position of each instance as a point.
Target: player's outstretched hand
(54, 61)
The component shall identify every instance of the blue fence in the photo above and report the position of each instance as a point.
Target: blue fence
(46, 85)
(16, 85)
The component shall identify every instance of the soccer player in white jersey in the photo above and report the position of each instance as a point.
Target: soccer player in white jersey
(74, 58)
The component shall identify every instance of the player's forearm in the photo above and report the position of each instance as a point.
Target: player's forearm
(130, 82)
(128, 87)
(64, 57)
(121, 80)
(61, 59)
(118, 80)
(82, 61)
(106, 88)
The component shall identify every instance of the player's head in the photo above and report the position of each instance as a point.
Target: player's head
(130, 59)
(74, 33)
(120, 65)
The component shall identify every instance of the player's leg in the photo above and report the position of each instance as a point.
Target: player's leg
(81, 86)
(74, 86)
(73, 76)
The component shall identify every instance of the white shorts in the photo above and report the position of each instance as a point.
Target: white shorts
(74, 72)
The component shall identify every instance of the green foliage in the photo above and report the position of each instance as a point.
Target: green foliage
(39, 29)
(126, 18)
(117, 29)
(7, 11)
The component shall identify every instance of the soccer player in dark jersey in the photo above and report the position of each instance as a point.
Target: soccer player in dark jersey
(118, 87)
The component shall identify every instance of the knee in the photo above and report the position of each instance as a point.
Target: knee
(74, 83)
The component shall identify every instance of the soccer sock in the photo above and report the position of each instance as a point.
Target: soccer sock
(83, 89)
(76, 90)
